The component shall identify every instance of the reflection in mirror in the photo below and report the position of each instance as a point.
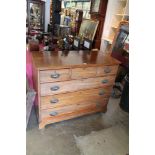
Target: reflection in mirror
(35, 15)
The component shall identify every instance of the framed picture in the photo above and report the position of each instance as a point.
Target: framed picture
(76, 43)
(95, 6)
(88, 29)
(87, 44)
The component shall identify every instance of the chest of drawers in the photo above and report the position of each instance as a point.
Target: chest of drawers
(71, 84)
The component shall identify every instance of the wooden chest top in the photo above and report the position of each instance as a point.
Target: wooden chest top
(61, 59)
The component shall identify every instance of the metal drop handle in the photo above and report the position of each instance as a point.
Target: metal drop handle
(107, 70)
(105, 81)
(101, 93)
(55, 88)
(98, 105)
(55, 75)
(54, 100)
(53, 113)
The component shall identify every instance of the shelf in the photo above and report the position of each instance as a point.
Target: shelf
(122, 0)
(114, 26)
(121, 14)
(109, 39)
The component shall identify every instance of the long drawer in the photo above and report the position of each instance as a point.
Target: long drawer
(54, 75)
(60, 100)
(77, 113)
(107, 70)
(60, 111)
(85, 72)
(75, 85)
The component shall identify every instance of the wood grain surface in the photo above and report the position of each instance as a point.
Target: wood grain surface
(48, 75)
(77, 113)
(85, 72)
(107, 70)
(71, 59)
(71, 84)
(74, 107)
(94, 95)
(75, 85)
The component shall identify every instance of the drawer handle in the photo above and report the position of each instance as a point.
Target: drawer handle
(53, 113)
(101, 93)
(54, 100)
(55, 88)
(98, 105)
(107, 70)
(105, 81)
(55, 75)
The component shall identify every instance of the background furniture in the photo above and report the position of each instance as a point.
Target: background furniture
(117, 11)
(120, 51)
(71, 84)
(35, 15)
(98, 11)
(56, 9)
(78, 21)
(61, 30)
(120, 45)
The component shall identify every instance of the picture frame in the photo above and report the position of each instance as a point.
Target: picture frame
(95, 6)
(87, 44)
(120, 45)
(88, 29)
(76, 43)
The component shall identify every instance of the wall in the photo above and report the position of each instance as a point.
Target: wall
(47, 14)
(108, 19)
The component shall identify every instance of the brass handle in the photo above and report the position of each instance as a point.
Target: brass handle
(53, 113)
(107, 70)
(105, 81)
(54, 100)
(55, 88)
(55, 75)
(101, 93)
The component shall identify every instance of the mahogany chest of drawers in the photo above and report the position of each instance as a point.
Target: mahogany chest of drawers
(71, 84)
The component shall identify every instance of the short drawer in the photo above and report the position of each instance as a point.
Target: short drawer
(75, 85)
(82, 96)
(54, 75)
(60, 111)
(87, 72)
(107, 70)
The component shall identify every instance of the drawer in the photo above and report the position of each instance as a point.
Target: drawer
(75, 85)
(107, 70)
(54, 75)
(60, 111)
(87, 72)
(75, 97)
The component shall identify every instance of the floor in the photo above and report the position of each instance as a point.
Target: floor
(60, 138)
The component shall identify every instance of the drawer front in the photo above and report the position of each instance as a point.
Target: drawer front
(60, 111)
(54, 75)
(107, 70)
(75, 85)
(78, 73)
(60, 100)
